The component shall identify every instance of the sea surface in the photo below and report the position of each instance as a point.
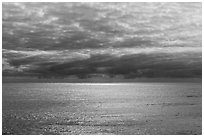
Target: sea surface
(116, 108)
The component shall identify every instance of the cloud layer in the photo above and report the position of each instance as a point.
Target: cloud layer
(88, 39)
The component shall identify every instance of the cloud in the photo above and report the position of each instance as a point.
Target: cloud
(88, 25)
(84, 39)
(130, 62)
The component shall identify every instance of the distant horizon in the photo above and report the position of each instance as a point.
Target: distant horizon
(95, 80)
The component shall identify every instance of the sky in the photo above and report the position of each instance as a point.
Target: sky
(84, 40)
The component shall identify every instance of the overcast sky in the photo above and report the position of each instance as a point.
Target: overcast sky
(102, 39)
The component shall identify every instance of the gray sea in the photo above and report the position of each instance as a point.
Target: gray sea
(116, 108)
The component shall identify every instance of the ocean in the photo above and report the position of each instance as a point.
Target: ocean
(110, 108)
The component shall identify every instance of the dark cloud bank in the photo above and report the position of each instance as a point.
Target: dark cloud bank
(106, 40)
